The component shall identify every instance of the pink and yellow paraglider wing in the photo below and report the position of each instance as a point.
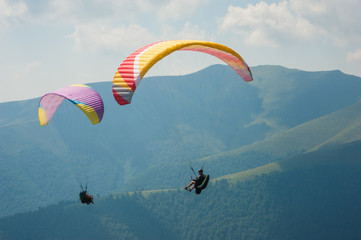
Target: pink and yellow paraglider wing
(84, 97)
(136, 65)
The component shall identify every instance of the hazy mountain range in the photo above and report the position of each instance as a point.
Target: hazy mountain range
(285, 121)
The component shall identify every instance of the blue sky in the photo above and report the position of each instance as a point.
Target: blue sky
(49, 44)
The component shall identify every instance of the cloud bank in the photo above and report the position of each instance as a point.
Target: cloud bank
(289, 22)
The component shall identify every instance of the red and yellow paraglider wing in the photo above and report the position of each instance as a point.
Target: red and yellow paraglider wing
(136, 65)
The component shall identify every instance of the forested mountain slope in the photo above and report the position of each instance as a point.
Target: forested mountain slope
(313, 196)
(172, 123)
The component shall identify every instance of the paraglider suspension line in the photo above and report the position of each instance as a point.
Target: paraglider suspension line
(86, 187)
(193, 171)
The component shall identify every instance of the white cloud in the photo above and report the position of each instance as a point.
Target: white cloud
(354, 56)
(11, 11)
(31, 66)
(339, 20)
(268, 24)
(97, 37)
(74, 12)
(126, 6)
(62, 10)
(190, 31)
(162, 9)
(176, 9)
(260, 38)
(68, 12)
(296, 21)
(309, 8)
(109, 24)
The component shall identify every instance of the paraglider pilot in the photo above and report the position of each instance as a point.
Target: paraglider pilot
(195, 182)
(85, 198)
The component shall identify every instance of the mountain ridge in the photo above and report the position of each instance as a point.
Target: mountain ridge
(134, 146)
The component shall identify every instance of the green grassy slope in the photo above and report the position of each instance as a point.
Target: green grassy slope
(339, 127)
(334, 129)
(344, 154)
